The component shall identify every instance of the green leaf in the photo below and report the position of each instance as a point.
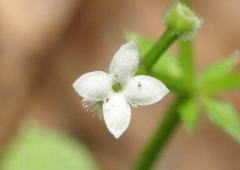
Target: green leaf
(189, 113)
(216, 73)
(219, 68)
(42, 149)
(229, 82)
(144, 43)
(224, 116)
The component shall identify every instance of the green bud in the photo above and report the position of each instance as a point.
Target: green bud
(182, 21)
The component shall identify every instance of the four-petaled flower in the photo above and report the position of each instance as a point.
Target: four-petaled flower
(115, 92)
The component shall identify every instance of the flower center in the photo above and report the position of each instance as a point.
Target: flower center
(117, 87)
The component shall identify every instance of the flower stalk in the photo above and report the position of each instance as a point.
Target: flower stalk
(181, 23)
(159, 140)
(164, 42)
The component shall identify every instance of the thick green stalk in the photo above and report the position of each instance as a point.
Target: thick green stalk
(158, 49)
(186, 59)
(169, 123)
(186, 53)
(159, 140)
(187, 65)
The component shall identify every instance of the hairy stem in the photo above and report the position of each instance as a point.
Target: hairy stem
(159, 140)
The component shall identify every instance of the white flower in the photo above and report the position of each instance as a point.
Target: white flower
(115, 92)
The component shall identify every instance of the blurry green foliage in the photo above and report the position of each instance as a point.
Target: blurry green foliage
(144, 44)
(224, 116)
(168, 65)
(177, 72)
(189, 113)
(219, 69)
(37, 148)
(216, 76)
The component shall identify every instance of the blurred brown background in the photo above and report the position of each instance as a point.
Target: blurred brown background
(46, 44)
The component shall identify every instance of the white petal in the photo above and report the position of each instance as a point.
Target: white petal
(93, 86)
(145, 90)
(125, 62)
(116, 113)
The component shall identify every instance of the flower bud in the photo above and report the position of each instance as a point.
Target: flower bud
(182, 21)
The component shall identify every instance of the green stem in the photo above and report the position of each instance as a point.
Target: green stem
(186, 2)
(171, 120)
(186, 59)
(158, 49)
(158, 142)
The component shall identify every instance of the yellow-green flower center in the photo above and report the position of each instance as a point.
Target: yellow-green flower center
(117, 87)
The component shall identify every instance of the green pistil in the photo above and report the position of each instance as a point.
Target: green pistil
(117, 87)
